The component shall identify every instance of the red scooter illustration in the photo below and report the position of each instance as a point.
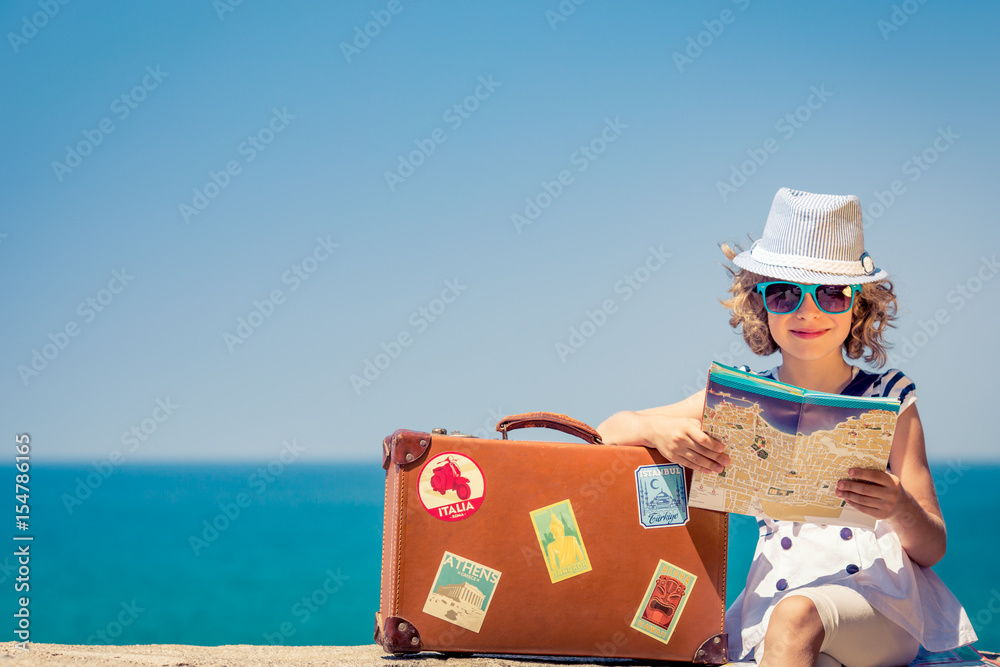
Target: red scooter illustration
(448, 477)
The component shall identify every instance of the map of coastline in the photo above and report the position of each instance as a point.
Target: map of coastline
(785, 474)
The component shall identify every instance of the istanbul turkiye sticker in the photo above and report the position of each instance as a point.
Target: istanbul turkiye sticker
(559, 537)
(462, 592)
(451, 486)
(662, 495)
(661, 608)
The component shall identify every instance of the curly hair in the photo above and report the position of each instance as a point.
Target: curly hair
(874, 310)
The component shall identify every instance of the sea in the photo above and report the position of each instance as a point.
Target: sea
(240, 554)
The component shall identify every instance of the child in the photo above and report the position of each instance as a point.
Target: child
(823, 594)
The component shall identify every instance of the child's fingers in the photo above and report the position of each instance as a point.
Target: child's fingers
(704, 439)
(865, 489)
(708, 446)
(710, 460)
(862, 508)
(696, 461)
(869, 475)
(866, 504)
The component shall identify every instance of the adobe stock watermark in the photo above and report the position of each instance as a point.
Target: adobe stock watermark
(88, 310)
(728, 358)
(223, 7)
(562, 12)
(110, 633)
(420, 320)
(950, 477)
(899, 16)
(787, 125)
(914, 168)
(593, 489)
(696, 44)
(581, 158)
(985, 615)
(488, 430)
(265, 308)
(121, 108)
(594, 320)
(31, 25)
(943, 483)
(7, 569)
(302, 611)
(958, 297)
(454, 116)
(248, 149)
(258, 482)
(363, 35)
(131, 440)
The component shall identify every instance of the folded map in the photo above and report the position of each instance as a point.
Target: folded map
(788, 447)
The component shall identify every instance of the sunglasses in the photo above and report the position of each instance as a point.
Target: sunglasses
(783, 297)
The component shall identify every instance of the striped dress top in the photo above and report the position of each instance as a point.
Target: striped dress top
(793, 555)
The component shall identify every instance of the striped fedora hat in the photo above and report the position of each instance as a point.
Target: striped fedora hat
(812, 238)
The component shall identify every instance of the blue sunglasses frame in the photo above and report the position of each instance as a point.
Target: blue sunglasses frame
(806, 289)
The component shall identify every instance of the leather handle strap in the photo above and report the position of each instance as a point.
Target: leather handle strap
(549, 420)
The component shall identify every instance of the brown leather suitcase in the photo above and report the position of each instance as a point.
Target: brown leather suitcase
(540, 548)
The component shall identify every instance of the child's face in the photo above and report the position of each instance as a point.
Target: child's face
(809, 333)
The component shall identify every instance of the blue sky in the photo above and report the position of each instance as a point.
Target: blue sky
(120, 115)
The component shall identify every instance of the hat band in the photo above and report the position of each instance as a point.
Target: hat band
(809, 263)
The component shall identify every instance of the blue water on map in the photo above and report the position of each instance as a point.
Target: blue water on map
(300, 563)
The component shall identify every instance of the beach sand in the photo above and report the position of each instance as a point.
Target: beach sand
(177, 655)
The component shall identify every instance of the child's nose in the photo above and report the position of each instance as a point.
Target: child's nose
(808, 306)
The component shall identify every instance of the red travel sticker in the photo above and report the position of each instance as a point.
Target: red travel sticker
(451, 486)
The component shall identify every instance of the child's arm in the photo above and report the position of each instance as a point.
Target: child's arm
(673, 430)
(906, 496)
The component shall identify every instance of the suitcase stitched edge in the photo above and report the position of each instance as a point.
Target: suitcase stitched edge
(400, 516)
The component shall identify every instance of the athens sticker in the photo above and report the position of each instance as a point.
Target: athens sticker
(451, 486)
(562, 545)
(662, 495)
(461, 592)
(664, 603)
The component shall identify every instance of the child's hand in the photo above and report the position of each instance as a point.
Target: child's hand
(878, 494)
(679, 439)
(682, 441)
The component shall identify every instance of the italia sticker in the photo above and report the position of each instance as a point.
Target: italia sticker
(662, 495)
(664, 602)
(461, 592)
(451, 486)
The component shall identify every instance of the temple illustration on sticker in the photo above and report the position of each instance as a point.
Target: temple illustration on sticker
(461, 592)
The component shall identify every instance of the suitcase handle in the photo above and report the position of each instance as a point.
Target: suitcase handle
(549, 420)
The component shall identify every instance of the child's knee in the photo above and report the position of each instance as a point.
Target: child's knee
(795, 614)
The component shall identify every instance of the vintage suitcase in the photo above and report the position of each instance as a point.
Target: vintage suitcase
(546, 548)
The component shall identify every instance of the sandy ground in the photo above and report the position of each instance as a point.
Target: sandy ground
(175, 655)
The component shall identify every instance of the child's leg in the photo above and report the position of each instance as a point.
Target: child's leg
(853, 632)
(794, 634)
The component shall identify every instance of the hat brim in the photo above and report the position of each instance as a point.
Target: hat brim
(745, 261)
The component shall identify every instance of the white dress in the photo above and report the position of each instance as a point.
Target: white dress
(792, 555)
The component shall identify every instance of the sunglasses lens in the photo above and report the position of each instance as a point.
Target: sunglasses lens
(782, 297)
(834, 298)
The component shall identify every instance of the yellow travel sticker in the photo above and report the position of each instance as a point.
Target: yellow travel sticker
(562, 545)
(461, 592)
(663, 605)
